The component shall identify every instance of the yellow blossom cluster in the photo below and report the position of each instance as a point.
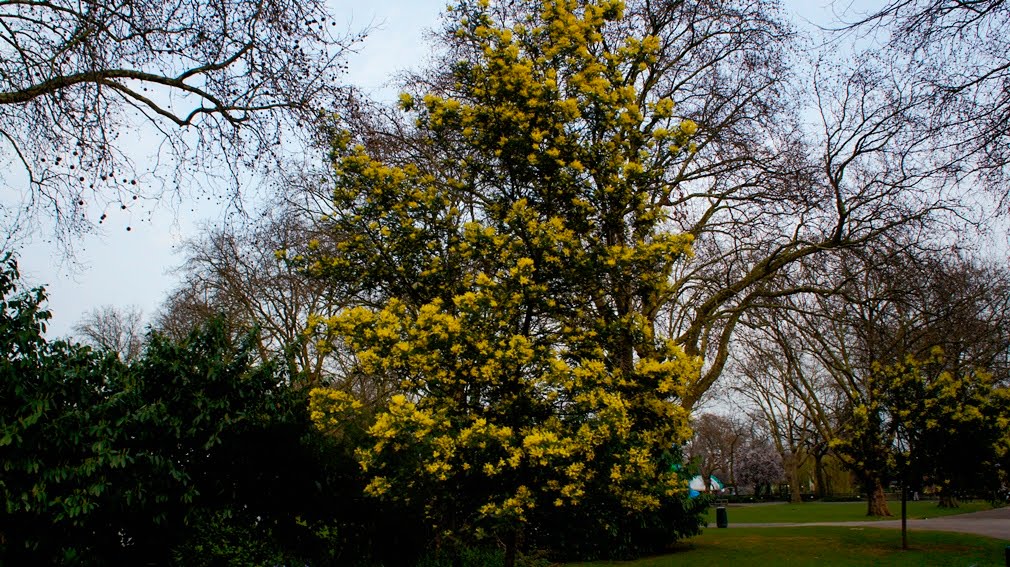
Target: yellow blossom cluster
(329, 407)
(469, 348)
(532, 88)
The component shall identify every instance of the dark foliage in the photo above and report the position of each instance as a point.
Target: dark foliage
(192, 455)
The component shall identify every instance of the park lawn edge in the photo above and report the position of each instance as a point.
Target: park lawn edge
(823, 545)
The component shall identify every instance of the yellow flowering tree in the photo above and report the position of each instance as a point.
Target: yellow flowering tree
(510, 255)
(928, 423)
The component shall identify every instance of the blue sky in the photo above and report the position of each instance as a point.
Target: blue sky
(133, 268)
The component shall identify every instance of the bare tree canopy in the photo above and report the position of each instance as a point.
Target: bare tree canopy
(958, 52)
(115, 330)
(716, 446)
(218, 83)
(236, 272)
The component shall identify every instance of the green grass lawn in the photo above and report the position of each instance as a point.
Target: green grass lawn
(834, 511)
(817, 546)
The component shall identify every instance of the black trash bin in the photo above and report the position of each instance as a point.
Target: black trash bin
(721, 521)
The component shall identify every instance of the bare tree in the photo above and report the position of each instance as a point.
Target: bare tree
(780, 383)
(219, 85)
(241, 274)
(115, 330)
(959, 54)
(774, 374)
(716, 445)
(736, 449)
(785, 202)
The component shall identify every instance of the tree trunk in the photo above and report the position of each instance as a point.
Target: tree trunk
(511, 547)
(948, 500)
(904, 515)
(792, 465)
(876, 503)
(820, 477)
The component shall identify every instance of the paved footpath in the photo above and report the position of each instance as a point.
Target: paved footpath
(992, 523)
